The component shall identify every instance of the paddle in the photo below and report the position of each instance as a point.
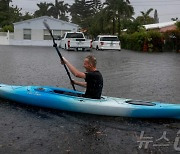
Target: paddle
(55, 45)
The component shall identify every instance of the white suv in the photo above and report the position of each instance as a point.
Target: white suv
(103, 42)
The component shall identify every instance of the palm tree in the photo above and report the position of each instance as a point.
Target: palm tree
(81, 12)
(95, 5)
(145, 15)
(43, 9)
(64, 8)
(117, 9)
(4, 12)
(4, 4)
(156, 18)
(59, 10)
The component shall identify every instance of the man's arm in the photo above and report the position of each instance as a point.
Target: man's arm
(73, 69)
(82, 84)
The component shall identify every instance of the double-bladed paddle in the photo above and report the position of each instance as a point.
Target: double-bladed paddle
(55, 45)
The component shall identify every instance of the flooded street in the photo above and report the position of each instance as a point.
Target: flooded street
(127, 74)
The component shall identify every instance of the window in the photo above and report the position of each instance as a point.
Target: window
(57, 34)
(74, 35)
(47, 35)
(109, 39)
(27, 34)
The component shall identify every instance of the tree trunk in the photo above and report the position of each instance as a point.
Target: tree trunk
(102, 25)
(119, 26)
(114, 26)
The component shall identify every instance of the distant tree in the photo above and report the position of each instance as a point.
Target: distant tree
(4, 12)
(15, 14)
(178, 25)
(156, 18)
(95, 5)
(174, 19)
(81, 13)
(59, 10)
(146, 18)
(43, 9)
(117, 10)
(8, 15)
(27, 16)
(98, 24)
(131, 26)
(4, 4)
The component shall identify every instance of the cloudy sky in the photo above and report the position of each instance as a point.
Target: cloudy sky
(167, 9)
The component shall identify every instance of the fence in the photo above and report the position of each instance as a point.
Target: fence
(4, 38)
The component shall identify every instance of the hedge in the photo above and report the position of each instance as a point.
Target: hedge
(152, 41)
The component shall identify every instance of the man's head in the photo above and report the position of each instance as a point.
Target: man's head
(90, 63)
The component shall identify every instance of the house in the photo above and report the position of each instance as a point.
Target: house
(33, 31)
(161, 27)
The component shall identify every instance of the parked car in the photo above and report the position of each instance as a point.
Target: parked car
(103, 42)
(75, 41)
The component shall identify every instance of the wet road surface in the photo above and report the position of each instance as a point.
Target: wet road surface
(128, 74)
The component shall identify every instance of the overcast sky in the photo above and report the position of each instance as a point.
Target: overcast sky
(167, 9)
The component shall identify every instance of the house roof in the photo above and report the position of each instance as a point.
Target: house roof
(159, 25)
(45, 17)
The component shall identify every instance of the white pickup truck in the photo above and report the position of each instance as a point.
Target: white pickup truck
(75, 41)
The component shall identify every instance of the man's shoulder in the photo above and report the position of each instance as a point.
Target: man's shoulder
(94, 72)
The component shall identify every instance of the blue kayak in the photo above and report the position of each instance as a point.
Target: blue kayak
(70, 100)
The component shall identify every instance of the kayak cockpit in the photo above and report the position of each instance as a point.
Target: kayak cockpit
(68, 93)
(60, 91)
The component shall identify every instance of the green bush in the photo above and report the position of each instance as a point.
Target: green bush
(155, 42)
(172, 40)
(178, 25)
(133, 41)
(7, 28)
(138, 40)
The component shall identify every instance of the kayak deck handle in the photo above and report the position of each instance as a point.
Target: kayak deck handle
(138, 102)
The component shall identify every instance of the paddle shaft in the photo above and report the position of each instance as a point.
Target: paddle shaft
(55, 45)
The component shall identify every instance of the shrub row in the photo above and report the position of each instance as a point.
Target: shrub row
(151, 41)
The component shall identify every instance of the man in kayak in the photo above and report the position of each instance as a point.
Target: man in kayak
(93, 78)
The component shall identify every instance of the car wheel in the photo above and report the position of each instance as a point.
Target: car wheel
(66, 48)
(97, 48)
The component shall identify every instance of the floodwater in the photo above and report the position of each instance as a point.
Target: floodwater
(128, 74)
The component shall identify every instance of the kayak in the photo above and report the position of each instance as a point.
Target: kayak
(70, 100)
